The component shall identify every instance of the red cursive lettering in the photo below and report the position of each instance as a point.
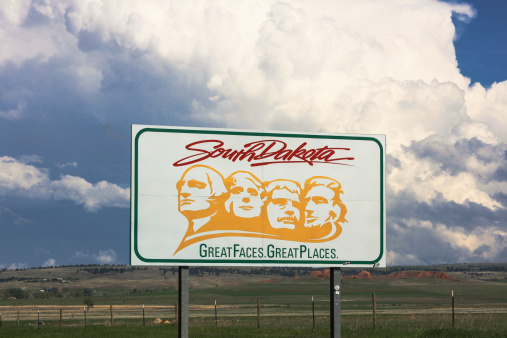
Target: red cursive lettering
(262, 152)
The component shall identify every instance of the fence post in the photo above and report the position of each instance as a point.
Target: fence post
(61, 317)
(38, 317)
(111, 310)
(258, 312)
(84, 311)
(313, 312)
(216, 317)
(144, 323)
(452, 301)
(18, 318)
(374, 310)
(176, 312)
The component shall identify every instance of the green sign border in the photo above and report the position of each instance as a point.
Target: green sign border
(273, 262)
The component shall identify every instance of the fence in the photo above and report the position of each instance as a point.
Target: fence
(241, 314)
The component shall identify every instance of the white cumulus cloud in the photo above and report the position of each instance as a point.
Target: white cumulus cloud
(338, 66)
(51, 262)
(26, 180)
(14, 266)
(105, 256)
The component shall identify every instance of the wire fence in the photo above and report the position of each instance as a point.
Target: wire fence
(112, 315)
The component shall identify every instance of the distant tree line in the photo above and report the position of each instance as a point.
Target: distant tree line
(17, 293)
(469, 268)
(30, 279)
(98, 270)
(64, 266)
(45, 293)
(217, 271)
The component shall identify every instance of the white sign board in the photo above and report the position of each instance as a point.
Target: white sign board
(228, 197)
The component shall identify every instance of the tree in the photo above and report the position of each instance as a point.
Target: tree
(18, 293)
(88, 301)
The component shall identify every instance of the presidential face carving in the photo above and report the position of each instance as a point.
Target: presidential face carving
(322, 201)
(283, 204)
(198, 190)
(246, 195)
(242, 205)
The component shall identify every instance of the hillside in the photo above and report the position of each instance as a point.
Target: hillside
(79, 280)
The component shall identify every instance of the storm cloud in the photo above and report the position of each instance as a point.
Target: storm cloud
(74, 75)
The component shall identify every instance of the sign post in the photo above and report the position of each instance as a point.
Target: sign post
(183, 301)
(335, 298)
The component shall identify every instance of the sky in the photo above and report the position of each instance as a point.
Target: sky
(75, 75)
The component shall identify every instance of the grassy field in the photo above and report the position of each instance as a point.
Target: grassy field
(406, 305)
(352, 326)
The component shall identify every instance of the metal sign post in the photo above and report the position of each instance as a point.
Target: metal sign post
(183, 301)
(335, 298)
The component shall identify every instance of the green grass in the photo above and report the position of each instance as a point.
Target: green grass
(243, 332)
(352, 326)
